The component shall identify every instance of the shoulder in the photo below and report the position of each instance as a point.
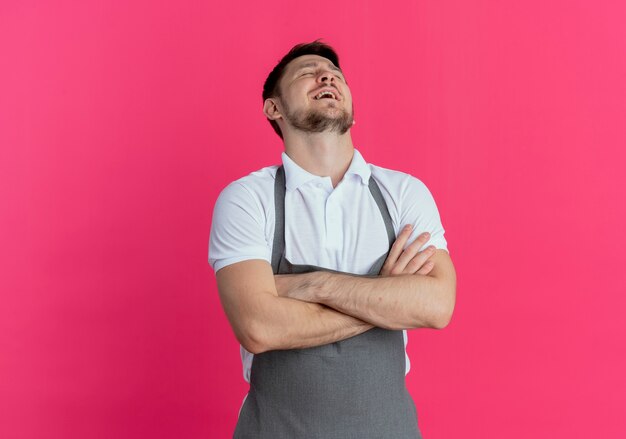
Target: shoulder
(240, 218)
(398, 185)
(254, 189)
(410, 202)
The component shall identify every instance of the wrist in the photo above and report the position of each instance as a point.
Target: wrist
(319, 286)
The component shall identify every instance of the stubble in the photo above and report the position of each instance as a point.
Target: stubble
(319, 120)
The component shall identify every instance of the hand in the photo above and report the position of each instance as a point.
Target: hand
(409, 260)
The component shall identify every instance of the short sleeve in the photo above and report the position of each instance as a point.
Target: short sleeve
(419, 209)
(237, 228)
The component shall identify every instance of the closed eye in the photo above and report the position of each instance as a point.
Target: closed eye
(336, 73)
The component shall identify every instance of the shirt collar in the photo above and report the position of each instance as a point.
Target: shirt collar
(359, 167)
(295, 176)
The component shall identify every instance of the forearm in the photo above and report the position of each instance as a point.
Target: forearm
(284, 323)
(392, 302)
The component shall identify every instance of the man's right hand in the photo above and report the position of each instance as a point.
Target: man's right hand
(409, 260)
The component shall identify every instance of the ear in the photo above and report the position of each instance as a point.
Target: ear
(270, 109)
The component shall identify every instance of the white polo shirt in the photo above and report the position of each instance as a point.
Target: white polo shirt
(338, 228)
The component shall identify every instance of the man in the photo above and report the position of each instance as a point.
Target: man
(320, 272)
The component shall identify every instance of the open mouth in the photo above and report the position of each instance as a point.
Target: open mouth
(325, 94)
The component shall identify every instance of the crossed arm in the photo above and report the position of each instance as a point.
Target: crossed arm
(267, 312)
(392, 302)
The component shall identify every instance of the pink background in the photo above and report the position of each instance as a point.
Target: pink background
(120, 124)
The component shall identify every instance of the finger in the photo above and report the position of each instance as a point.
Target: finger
(426, 268)
(410, 252)
(396, 248)
(419, 260)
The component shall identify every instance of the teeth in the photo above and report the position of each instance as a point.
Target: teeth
(319, 96)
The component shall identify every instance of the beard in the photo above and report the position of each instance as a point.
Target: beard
(317, 120)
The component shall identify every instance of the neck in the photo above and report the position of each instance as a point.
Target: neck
(323, 154)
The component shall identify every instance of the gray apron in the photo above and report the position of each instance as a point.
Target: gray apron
(351, 389)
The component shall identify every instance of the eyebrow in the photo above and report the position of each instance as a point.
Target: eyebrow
(315, 64)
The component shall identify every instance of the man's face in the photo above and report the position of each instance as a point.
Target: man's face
(315, 96)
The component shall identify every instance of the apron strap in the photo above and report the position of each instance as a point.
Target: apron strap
(382, 207)
(279, 222)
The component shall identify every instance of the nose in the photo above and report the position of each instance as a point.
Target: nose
(326, 76)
